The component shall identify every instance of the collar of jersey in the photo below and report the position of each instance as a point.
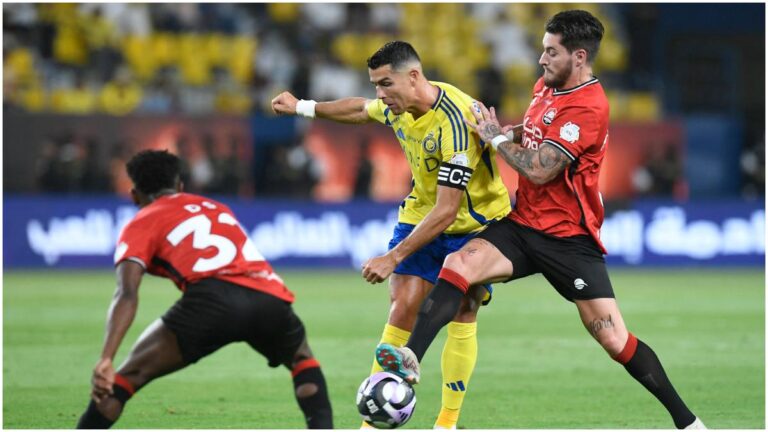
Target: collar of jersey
(557, 92)
(439, 99)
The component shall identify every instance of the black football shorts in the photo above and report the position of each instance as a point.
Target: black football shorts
(213, 313)
(573, 265)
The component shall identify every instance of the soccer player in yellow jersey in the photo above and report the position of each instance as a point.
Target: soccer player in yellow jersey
(457, 190)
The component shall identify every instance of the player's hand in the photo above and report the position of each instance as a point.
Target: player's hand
(102, 380)
(513, 132)
(487, 126)
(377, 269)
(505, 129)
(284, 103)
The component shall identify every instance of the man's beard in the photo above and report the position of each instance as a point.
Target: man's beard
(558, 80)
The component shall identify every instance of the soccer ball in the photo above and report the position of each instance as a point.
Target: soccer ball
(385, 400)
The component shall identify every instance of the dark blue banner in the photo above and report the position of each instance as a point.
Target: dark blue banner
(80, 232)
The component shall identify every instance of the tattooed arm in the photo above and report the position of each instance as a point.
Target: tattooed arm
(539, 166)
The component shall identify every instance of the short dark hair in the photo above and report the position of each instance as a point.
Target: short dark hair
(578, 29)
(153, 170)
(395, 53)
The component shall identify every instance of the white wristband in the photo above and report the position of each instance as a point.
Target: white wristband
(498, 139)
(306, 108)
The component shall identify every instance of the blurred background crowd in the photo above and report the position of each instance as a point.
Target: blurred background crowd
(83, 84)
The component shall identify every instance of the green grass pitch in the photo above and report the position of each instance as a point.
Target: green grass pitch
(537, 366)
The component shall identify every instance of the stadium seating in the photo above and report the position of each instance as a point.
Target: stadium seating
(198, 55)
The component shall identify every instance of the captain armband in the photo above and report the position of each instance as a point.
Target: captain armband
(455, 176)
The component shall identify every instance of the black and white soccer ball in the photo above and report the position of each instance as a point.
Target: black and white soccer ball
(385, 400)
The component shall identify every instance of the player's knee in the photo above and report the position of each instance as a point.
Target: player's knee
(611, 342)
(132, 380)
(306, 390)
(456, 262)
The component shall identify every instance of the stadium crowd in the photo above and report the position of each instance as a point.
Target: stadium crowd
(121, 58)
(231, 59)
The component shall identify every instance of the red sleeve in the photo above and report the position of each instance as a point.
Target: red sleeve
(573, 130)
(136, 243)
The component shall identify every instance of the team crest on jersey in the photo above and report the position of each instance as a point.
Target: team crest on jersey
(430, 143)
(549, 116)
(570, 132)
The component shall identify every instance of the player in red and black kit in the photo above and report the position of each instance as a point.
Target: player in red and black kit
(230, 294)
(554, 228)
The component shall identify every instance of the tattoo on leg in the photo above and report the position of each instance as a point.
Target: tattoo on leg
(599, 324)
(474, 246)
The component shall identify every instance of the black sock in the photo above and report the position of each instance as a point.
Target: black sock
(92, 418)
(437, 310)
(316, 407)
(645, 367)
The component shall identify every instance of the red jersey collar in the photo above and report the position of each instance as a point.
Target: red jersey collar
(557, 92)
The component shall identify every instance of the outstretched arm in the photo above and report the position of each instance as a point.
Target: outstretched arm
(539, 166)
(347, 110)
(121, 313)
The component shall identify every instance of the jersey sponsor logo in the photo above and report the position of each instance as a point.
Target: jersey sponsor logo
(460, 159)
(431, 163)
(430, 143)
(570, 132)
(455, 176)
(549, 116)
(579, 283)
(532, 134)
(537, 96)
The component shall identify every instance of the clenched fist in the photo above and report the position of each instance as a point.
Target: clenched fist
(284, 103)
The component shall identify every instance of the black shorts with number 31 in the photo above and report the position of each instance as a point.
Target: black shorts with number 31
(212, 313)
(573, 265)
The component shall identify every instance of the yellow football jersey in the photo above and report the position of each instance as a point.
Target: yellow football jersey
(442, 150)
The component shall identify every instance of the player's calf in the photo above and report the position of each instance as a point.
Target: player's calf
(644, 366)
(312, 394)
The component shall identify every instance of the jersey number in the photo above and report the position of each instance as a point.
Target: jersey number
(200, 228)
